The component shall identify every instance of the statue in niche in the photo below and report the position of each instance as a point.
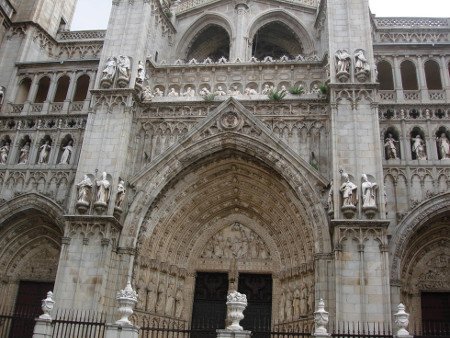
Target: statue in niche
(304, 301)
(266, 90)
(160, 303)
(140, 78)
(234, 91)
(316, 90)
(391, 148)
(343, 61)
(250, 91)
(418, 148)
(44, 152)
(84, 193)
(288, 309)
(204, 91)
(123, 71)
(443, 146)
(67, 153)
(103, 186)
(348, 190)
(189, 92)
(120, 197)
(4, 152)
(158, 92)
(109, 72)
(362, 67)
(173, 93)
(330, 199)
(147, 94)
(170, 300)
(368, 192)
(296, 303)
(220, 91)
(281, 307)
(179, 302)
(152, 294)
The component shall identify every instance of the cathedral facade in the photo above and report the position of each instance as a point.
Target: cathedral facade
(290, 149)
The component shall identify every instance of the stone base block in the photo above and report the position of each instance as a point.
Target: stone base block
(43, 329)
(118, 331)
(233, 334)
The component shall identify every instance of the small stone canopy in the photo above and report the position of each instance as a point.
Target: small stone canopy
(231, 127)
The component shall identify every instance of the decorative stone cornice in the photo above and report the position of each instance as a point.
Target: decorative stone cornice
(359, 223)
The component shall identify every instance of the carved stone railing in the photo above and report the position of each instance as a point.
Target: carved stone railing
(411, 95)
(7, 8)
(412, 22)
(42, 122)
(191, 4)
(436, 95)
(81, 35)
(415, 37)
(387, 95)
(412, 112)
(49, 108)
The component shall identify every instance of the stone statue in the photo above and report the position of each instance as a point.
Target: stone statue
(140, 78)
(315, 89)
(391, 149)
(443, 146)
(4, 152)
(110, 69)
(368, 192)
(281, 307)
(418, 148)
(67, 153)
(348, 190)
(179, 303)
(44, 152)
(189, 92)
(24, 153)
(266, 90)
(330, 199)
(250, 91)
(152, 295)
(343, 61)
(103, 190)
(147, 94)
(160, 303)
(170, 300)
(234, 91)
(204, 91)
(84, 191)
(173, 93)
(361, 64)
(296, 303)
(120, 194)
(288, 308)
(158, 92)
(124, 66)
(304, 301)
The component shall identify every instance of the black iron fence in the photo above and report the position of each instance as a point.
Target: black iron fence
(17, 323)
(361, 330)
(79, 324)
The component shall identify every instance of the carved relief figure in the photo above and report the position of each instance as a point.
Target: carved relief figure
(173, 93)
(84, 190)
(103, 186)
(160, 303)
(281, 307)
(204, 91)
(4, 152)
(124, 66)
(266, 90)
(343, 61)
(24, 153)
(170, 300)
(304, 301)
(348, 190)
(140, 73)
(418, 148)
(443, 146)
(147, 94)
(152, 294)
(120, 194)
(67, 153)
(296, 303)
(220, 91)
(189, 92)
(159, 92)
(110, 69)
(44, 152)
(361, 64)
(368, 192)
(288, 308)
(179, 302)
(330, 199)
(391, 149)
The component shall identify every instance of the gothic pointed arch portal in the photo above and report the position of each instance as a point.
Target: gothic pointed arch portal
(226, 207)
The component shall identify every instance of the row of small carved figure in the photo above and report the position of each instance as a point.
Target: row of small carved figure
(103, 193)
(253, 59)
(418, 147)
(294, 305)
(148, 94)
(44, 152)
(348, 189)
(117, 70)
(344, 60)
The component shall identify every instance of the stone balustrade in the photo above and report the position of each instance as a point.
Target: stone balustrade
(81, 35)
(67, 107)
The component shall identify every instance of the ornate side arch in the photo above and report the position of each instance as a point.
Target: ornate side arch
(286, 18)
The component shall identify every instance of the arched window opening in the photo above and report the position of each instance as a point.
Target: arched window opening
(433, 75)
(418, 147)
(211, 42)
(276, 39)
(391, 144)
(409, 76)
(61, 89)
(23, 90)
(42, 92)
(82, 88)
(385, 77)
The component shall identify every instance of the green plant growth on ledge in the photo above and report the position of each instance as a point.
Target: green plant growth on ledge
(276, 95)
(209, 97)
(296, 90)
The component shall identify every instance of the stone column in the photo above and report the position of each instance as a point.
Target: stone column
(398, 80)
(70, 92)
(422, 80)
(240, 41)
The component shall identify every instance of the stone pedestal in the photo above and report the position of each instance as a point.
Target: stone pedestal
(118, 331)
(233, 334)
(43, 328)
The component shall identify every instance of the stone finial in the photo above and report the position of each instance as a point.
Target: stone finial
(47, 306)
(321, 319)
(401, 319)
(236, 304)
(127, 299)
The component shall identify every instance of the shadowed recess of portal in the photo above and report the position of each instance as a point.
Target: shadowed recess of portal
(211, 42)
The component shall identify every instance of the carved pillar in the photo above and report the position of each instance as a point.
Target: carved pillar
(422, 80)
(240, 41)
(31, 94)
(70, 92)
(398, 80)
(445, 76)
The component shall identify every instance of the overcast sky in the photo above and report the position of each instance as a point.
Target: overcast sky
(94, 14)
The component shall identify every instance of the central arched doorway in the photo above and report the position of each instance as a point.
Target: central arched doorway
(227, 221)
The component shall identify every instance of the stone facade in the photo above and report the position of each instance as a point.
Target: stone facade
(304, 139)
